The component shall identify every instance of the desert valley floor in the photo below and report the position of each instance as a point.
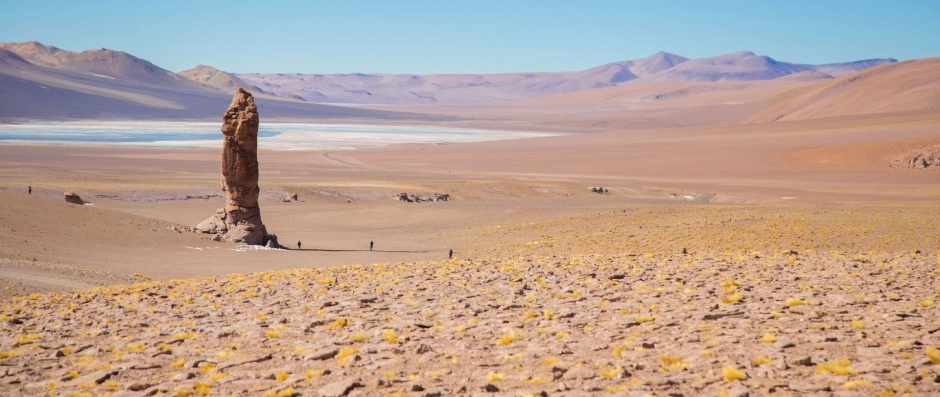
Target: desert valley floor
(773, 259)
(779, 246)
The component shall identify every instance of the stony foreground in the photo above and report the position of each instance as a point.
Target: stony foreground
(725, 324)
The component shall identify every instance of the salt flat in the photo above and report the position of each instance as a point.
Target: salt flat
(272, 136)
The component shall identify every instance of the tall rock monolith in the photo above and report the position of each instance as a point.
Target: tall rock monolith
(240, 220)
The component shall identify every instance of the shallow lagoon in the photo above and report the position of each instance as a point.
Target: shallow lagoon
(273, 136)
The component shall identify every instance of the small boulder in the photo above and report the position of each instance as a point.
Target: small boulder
(73, 198)
(404, 197)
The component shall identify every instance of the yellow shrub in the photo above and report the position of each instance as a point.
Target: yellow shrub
(835, 367)
(27, 338)
(732, 373)
(644, 318)
(736, 297)
(854, 384)
(358, 337)
(796, 302)
(390, 336)
(508, 338)
(761, 360)
(313, 373)
(609, 372)
(346, 352)
(340, 322)
(673, 363)
(534, 380)
(548, 314)
(933, 354)
(204, 368)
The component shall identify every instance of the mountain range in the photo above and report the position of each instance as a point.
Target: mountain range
(45, 82)
(482, 89)
(42, 82)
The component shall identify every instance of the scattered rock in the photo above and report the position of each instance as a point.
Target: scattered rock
(804, 361)
(324, 354)
(139, 386)
(599, 190)
(73, 198)
(422, 199)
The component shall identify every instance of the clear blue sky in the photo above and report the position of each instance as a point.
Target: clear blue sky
(445, 36)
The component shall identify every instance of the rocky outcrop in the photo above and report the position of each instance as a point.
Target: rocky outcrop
(924, 161)
(240, 220)
(73, 198)
(920, 158)
(422, 199)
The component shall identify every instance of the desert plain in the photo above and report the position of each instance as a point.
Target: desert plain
(752, 238)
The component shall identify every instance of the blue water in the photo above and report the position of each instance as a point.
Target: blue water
(96, 135)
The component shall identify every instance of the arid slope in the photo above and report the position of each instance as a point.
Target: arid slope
(897, 87)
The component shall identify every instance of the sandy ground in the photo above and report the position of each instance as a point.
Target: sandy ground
(757, 301)
(346, 198)
(711, 237)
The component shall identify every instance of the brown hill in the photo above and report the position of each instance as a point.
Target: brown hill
(103, 63)
(44, 82)
(896, 87)
(215, 78)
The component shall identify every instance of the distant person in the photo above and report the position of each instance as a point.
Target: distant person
(298, 245)
(30, 190)
(450, 255)
(371, 243)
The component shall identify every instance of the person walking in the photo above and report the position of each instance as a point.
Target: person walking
(450, 255)
(371, 243)
(298, 245)
(30, 189)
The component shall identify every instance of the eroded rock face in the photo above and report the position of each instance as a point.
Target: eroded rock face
(240, 220)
